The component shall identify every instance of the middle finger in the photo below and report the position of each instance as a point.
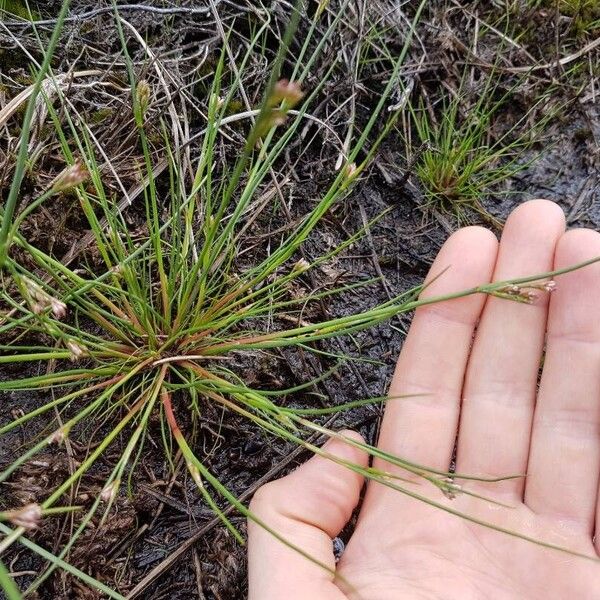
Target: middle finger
(500, 386)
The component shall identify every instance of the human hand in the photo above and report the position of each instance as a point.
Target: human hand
(481, 392)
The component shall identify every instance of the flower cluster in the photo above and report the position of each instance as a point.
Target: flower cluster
(71, 177)
(142, 95)
(27, 516)
(285, 95)
(526, 294)
(39, 300)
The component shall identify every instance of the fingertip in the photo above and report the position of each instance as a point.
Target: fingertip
(473, 235)
(538, 209)
(472, 244)
(539, 218)
(577, 245)
(353, 435)
(324, 490)
(466, 259)
(580, 285)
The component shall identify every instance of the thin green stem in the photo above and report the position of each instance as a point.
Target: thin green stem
(20, 165)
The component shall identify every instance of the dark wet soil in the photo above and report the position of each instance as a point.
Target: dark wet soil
(163, 512)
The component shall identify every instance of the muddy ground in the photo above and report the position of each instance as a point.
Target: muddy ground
(163, 528)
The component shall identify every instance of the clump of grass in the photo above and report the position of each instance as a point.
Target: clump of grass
(459, 153)
(147, 332)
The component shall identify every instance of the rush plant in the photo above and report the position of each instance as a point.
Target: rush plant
(462, 152)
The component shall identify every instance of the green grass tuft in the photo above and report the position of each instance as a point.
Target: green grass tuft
(461, 152)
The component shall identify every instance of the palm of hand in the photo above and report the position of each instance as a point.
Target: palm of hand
(468, 377)
(435, 555)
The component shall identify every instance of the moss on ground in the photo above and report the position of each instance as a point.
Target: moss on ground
(18, 8)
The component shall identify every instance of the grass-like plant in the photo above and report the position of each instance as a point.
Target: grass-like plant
(144, 334)
(461, 153)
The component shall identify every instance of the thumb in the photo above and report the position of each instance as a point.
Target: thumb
(307, 508)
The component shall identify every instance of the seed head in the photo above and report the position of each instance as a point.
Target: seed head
(351, 170)
(40, 300)
(219, 101)
(27, 516)
(545, 286)
(58, 308)
(142, 94)
(516, 293)
(33, 289)
(195, 473)
(527, 293)
(301, 266)
(37, 308)
(70, 178)
(58, 437)
(449, 488)
(277, 117)
(284, 91)
(76, 349)
(109, 493)
(289, 91)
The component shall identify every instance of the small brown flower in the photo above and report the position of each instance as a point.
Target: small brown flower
(545, 286)
(37, 308)
(278, 117)
(286, 92)
(289, 91)
(71, 177)
(58, 308)
(516, 293)
(27, 516)
(449, 488)
(301, 266)
(195, 473)
(219, 101)
(351, 170)
(527, 293)
(58, 437)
